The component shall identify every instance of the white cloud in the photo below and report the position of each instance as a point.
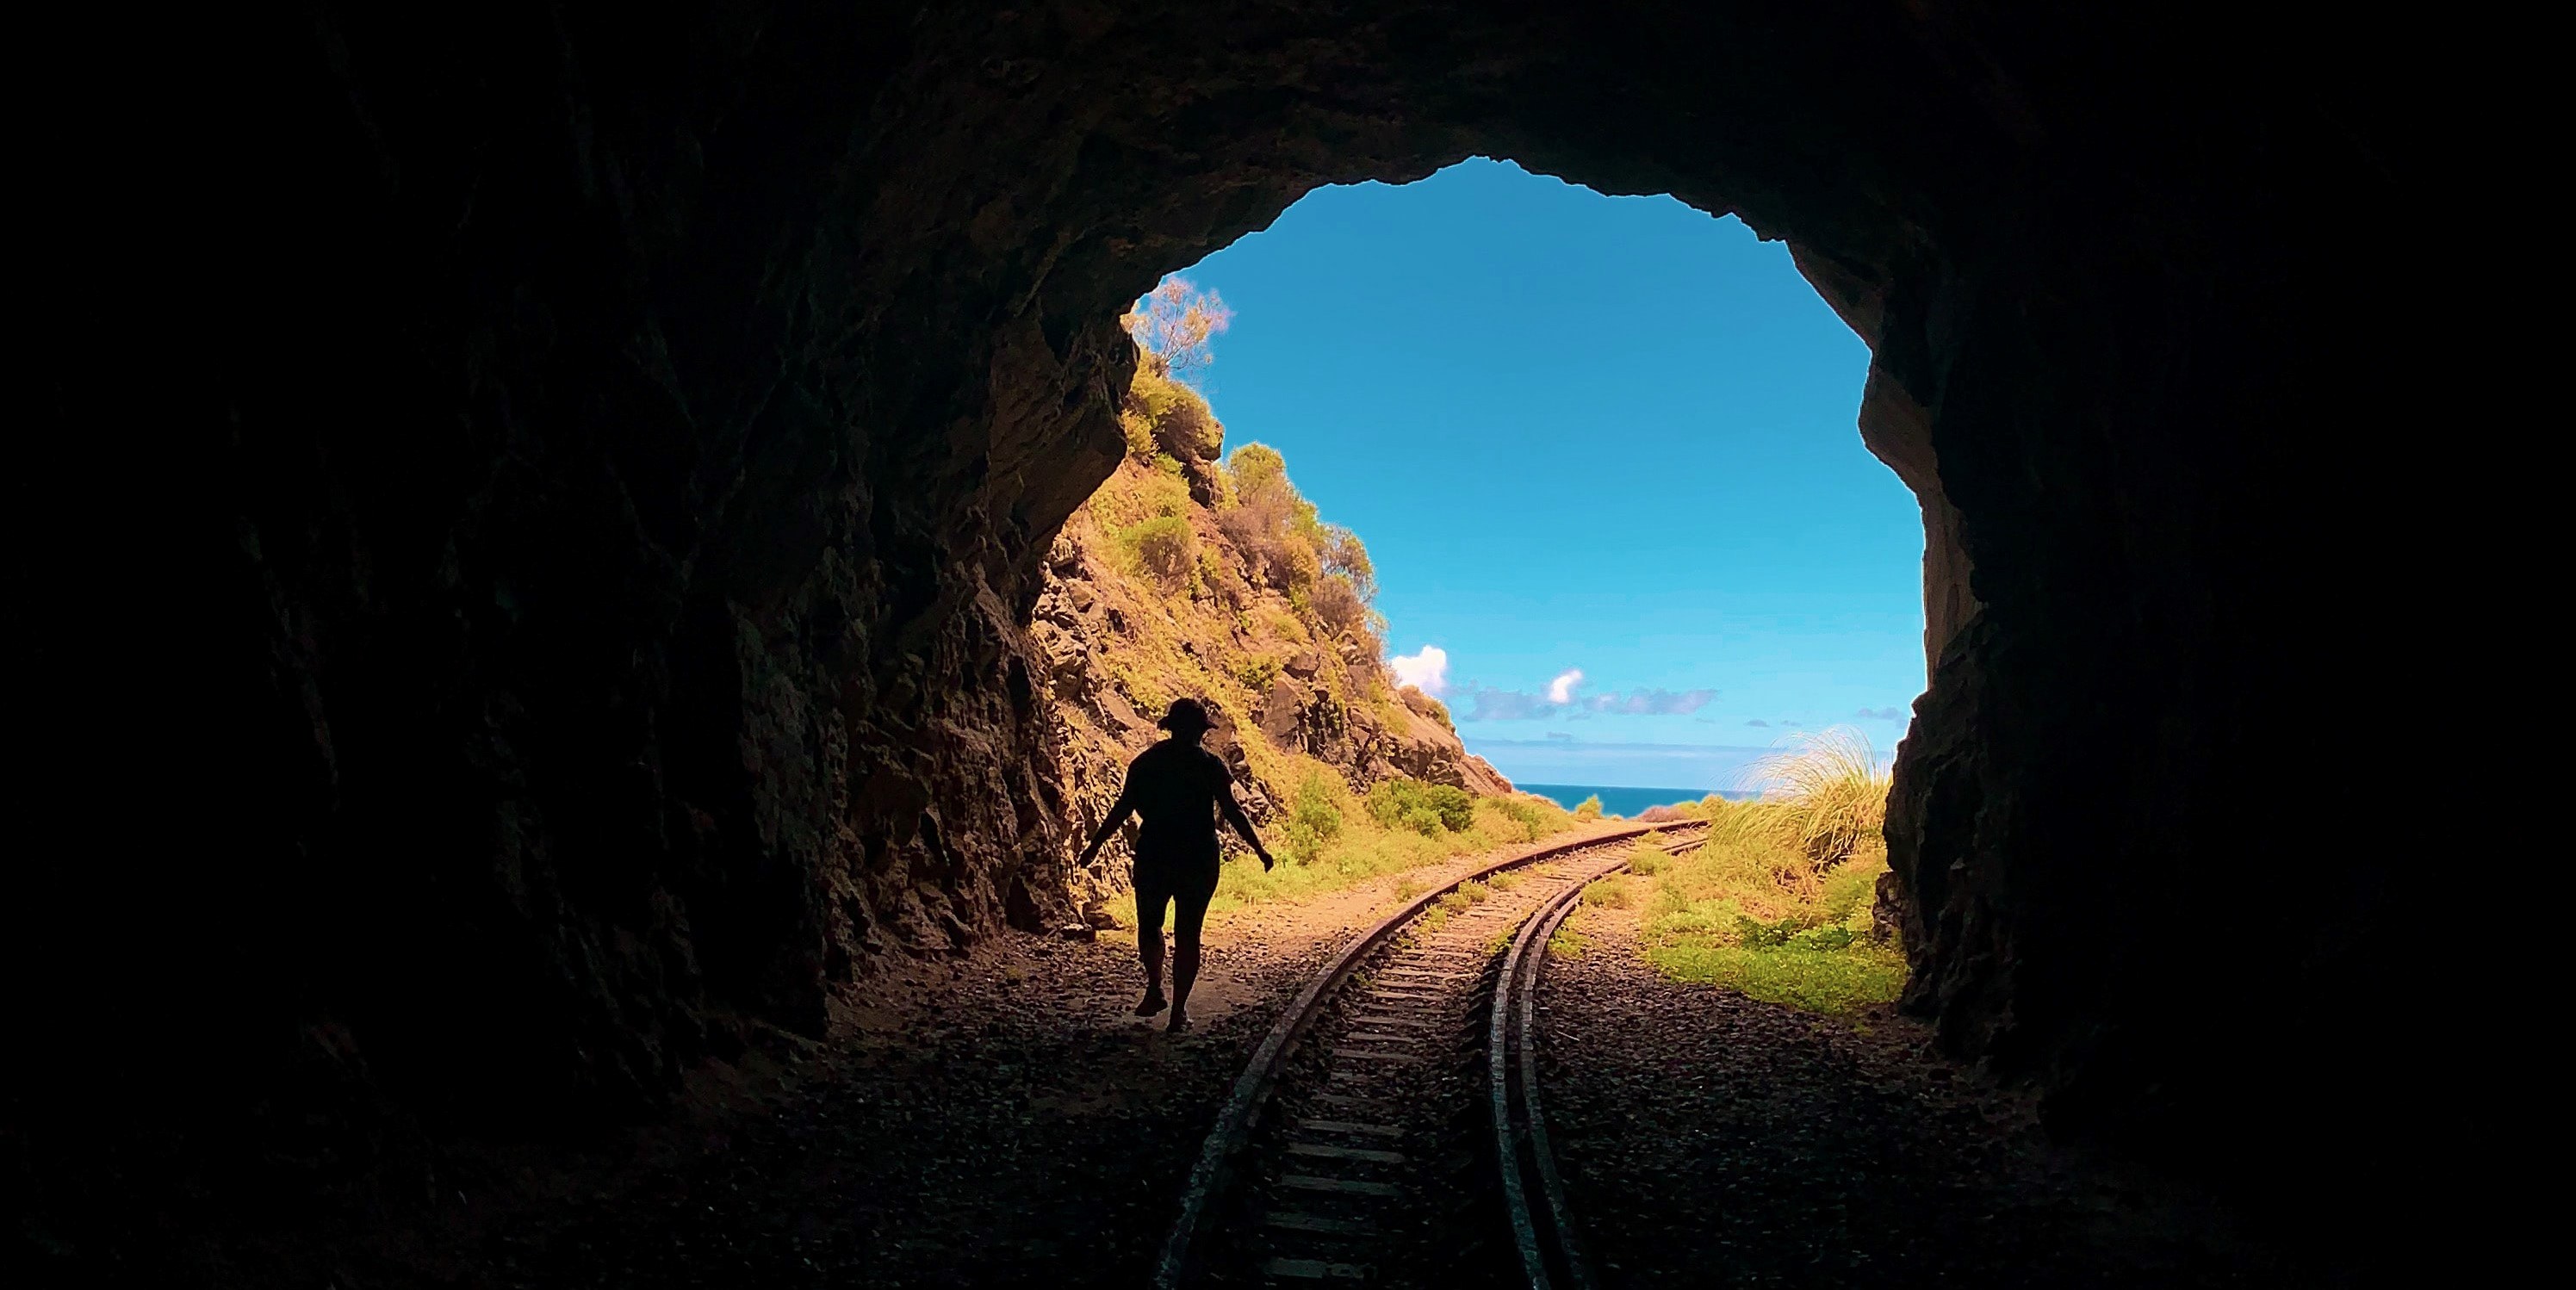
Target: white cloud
(1653, 703)
(1485, 703)
(1427, 671)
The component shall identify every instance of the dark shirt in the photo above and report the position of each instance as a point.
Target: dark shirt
(1175, 788)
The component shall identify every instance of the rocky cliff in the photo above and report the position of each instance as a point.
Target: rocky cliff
(1187, 575)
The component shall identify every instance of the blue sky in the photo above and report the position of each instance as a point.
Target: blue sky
(1606, 435)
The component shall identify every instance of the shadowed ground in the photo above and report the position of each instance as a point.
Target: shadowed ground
(1000, 1119)
(1711, 1139)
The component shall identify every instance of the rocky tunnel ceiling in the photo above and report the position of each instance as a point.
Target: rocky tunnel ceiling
(529, 516)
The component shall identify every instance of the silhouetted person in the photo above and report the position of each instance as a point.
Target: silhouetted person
(1180, 789)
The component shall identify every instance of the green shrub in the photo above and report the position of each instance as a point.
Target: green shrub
(1257, 673)
(1615, 891)
(1589, 808)
(1338, 606)
(1755, 934)
(1165, 548)
(1528, 813)
(1161, 415)
(1368, 848)
(1457, 809)
(1322, 569)
(1139, 430)
(1314, 819)
(1291, 567)
(1131, 497)
(1257, 469)
(1427, 809)
(1848, 889)
(1823, 938)
(1346, 557)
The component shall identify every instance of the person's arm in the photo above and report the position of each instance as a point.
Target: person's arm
(1234, 815)
(1118, 813)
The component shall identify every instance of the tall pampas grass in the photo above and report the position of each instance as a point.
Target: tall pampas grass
(1831, 787)
(1777, 901)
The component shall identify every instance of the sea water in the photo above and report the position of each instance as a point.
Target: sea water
(1620, 800)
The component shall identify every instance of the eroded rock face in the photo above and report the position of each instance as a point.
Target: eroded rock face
(526, 540)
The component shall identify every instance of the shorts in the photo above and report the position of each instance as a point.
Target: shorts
(1187, 882)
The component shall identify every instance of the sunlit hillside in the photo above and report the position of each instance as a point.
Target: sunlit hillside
(1199, 572)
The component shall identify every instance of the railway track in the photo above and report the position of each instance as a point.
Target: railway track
(1360, 1144)
(1543, 1229)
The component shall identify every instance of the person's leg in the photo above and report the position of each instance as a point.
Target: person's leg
(1190, 905)
(1151, 896)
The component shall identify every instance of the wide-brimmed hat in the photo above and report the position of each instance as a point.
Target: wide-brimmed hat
(1185, 714)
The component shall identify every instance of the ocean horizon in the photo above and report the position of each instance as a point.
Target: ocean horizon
(1622, 799)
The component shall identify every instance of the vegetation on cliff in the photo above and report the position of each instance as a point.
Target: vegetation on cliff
(1201, 572)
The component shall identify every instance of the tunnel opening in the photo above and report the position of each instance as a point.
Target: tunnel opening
(595, 469)
(1462, 367)
(1609, 530)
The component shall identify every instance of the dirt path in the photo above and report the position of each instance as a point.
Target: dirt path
(1711, 1140)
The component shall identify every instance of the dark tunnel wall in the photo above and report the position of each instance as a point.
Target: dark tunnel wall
(521, 545)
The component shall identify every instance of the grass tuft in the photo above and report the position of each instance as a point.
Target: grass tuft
(1615, 891)
(1834, 785)
(1816, 981)
(1776, 902)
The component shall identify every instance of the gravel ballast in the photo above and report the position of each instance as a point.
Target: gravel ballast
(1712, 1140)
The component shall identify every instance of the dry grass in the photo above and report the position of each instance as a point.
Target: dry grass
(1777, 902)
(1834, 785)
(1364, 849)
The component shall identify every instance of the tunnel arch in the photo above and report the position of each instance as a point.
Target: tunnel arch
(612, 456)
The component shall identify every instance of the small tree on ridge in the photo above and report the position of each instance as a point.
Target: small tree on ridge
(1174, 323)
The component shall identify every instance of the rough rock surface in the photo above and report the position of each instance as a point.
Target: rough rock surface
(525, 518)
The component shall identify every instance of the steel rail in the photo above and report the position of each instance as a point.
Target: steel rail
(1508, 1139)
(1235, 1120)
(1569, 1245)
(1511, 1047)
